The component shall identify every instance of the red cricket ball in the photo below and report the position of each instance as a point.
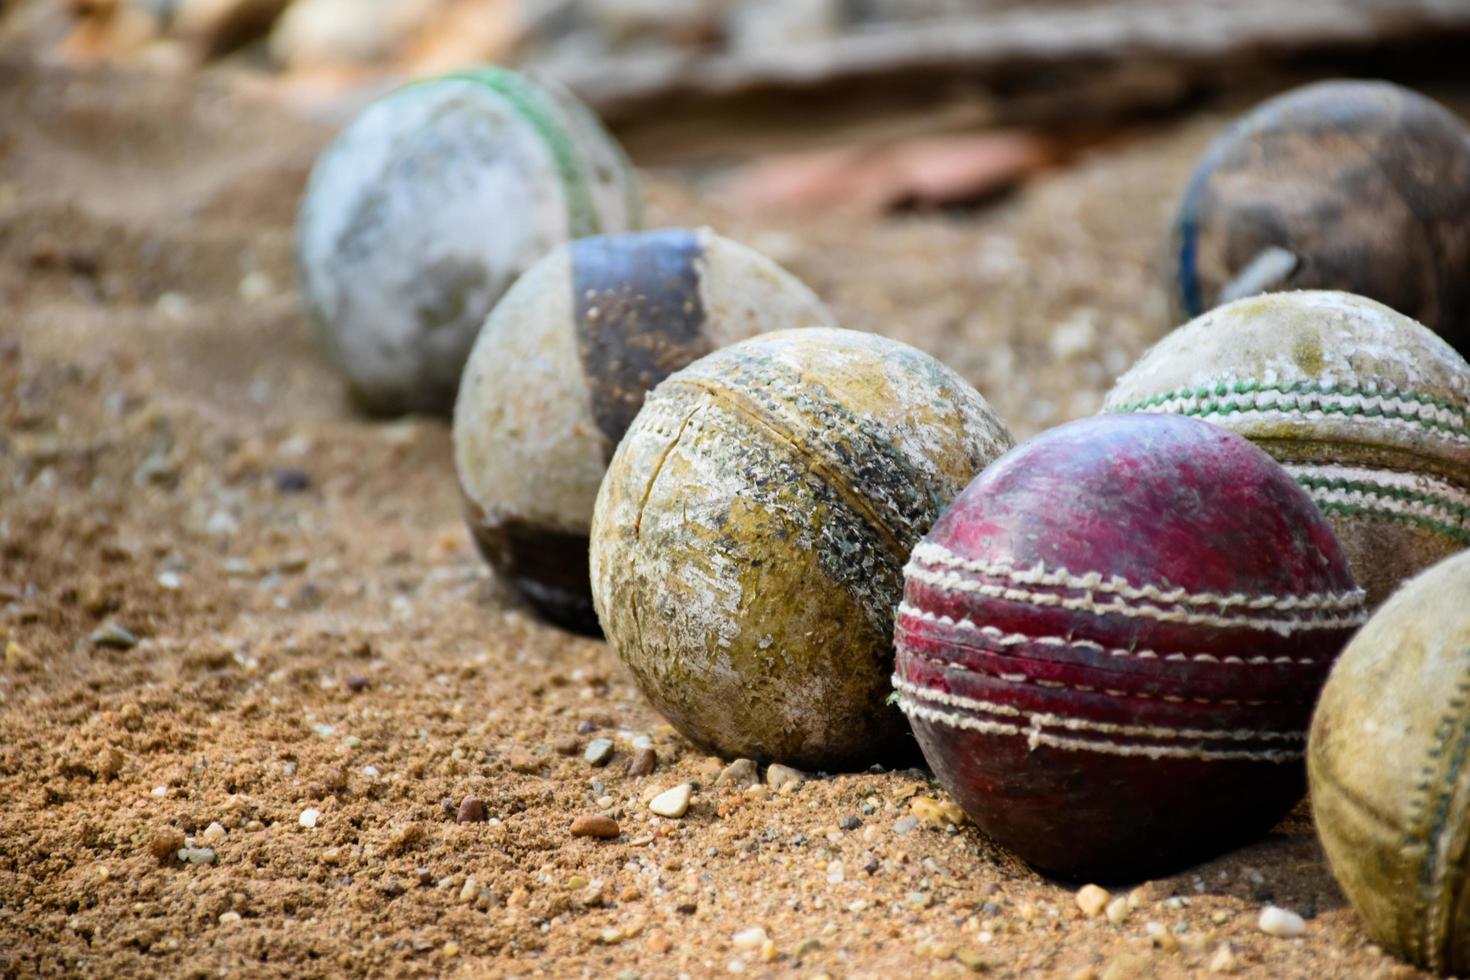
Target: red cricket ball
(1110, 644)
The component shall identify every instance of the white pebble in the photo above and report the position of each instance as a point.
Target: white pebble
(1092, 899)
(672, 802)
(170, 580)
(309, 817)
(1282, 923)
(213, 832)
(752, 938)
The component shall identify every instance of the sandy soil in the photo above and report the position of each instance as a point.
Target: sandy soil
(314, 631)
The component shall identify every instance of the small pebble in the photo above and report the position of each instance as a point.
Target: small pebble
(778, 776)
(309, 817)
(1117, 910)
(643, 763)
(471, 810)
(1282, 923)
(595, 825)
(739, 774)
(937, 813)
(112, 636)
(752, 938)
(672, 802)
(1160, 936)
(228, 918)
(197, 855)
(291, 480)
(215, 831)
(904, 825)
(567, 745)
(1224, 960)
(166, 843)
(851, 822)
(599, 751)
(356, 683)
(1092, 899)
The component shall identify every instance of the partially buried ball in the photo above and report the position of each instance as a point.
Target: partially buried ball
(562, 367)
(749, 539)
(1110, 643)
(1387, 763)
(428, 206)
(1356, 185)
(1369, 410)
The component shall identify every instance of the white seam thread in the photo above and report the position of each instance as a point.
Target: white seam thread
(1039, 574)
(1002, 638)
(1047, 719)
(1442, 511)
(902, 644)
(1283, 407)
(954, 582)
(1035, 738)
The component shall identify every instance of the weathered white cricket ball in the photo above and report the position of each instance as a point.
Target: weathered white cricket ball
(562, 367)
(749, 538)
(1369, 410)
(1387, 765)
(428, 206)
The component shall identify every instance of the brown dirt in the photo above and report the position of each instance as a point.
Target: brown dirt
(340, 647)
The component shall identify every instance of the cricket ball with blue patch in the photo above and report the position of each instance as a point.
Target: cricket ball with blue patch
(1361, 186)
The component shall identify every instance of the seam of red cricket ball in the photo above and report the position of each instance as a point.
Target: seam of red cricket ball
(1070, 723)
(953, 582)
(1002, 638)
(1017, 678)
(1038, 574)
(1036, 737)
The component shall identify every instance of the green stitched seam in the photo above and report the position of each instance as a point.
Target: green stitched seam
(1458, 534)
(582, 218)
(1461, 511)
(1213, 406)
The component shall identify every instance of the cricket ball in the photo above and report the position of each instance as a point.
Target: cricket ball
(1355, 185)
(1110, 643)
(1369, 410)
(748, 541)
(428, 206)
(1387, 766)
(560, 370)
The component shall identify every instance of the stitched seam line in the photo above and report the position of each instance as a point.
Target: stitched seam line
(1111, 692)
(1036, 738)
(955, 583)
(1002, 638)
(1447, 415)
(1049, 720)
(1038, 574)
(1441, 792)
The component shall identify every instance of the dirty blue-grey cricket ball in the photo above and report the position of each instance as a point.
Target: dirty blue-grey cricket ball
(425, 210)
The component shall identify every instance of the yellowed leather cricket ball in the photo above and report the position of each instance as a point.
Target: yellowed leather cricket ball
(1388, 761)
(749, 538)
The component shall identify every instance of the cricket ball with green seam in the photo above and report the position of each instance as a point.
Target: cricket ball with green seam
(428, 206)
(749, 539)
(1388, 762)
(1362, 186)
(562, 367)
(1369, 410)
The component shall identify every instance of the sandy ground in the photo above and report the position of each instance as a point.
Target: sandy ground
(314, 631)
